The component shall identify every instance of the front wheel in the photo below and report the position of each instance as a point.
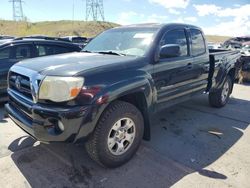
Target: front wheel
(117, 135)
(220, 97)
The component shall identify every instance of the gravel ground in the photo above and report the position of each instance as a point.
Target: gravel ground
(193, 145)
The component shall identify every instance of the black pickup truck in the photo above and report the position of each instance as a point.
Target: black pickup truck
(107, 94)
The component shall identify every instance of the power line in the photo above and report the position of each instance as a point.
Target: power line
(17, 9)
(94, 10)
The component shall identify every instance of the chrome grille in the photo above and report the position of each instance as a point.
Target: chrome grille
(21, 84)
(24, 82)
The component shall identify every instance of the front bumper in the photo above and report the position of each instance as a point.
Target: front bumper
(41, 122)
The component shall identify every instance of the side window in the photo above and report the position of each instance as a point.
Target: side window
(44, 50)
(60, 50)
(5, 53)
(198, 42)
(41, 50)
(178, 37)
(23, 52)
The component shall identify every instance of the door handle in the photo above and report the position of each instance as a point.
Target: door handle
(186, 67)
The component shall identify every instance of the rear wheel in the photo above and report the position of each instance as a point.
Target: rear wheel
(117, 135)
(220, 97)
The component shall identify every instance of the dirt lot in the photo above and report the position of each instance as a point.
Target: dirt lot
(193, 145)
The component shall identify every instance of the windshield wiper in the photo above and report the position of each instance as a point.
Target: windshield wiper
(86, 51)
(112, 53)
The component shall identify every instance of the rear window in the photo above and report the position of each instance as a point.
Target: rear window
(198, 42)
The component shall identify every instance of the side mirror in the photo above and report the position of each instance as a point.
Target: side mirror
(170, 50)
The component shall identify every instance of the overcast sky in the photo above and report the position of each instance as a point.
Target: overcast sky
(219, 17)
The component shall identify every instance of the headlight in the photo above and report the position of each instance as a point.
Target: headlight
(60, 89)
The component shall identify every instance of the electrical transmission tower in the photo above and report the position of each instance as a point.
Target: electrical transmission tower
(17, 9)
(94, 10)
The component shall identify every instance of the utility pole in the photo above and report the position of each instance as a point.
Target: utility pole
(73, 12)
(17, 9)
(94, 10)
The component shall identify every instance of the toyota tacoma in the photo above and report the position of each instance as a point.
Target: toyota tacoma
(107, 94)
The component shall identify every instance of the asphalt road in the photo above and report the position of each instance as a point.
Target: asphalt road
(193, 145)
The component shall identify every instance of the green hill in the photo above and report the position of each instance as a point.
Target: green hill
(64, 27)
(54, 28)
(214, 38)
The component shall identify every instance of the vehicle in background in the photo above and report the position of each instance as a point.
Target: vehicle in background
(212, 45)
(107, 94)
(244, 74)
(5, 38)
(2, 37)
(28, 47)
(241, 44)
(236, 43)
(80, 41)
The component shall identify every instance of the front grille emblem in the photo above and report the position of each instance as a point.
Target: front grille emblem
(18, 82)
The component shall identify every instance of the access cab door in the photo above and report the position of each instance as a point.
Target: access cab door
(175, 77)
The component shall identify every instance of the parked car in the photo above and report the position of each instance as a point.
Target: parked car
(81, 41)
(108, 93)
(28, 47)
(236, 42)
(5, 38)
(244, 73)
(2, 37)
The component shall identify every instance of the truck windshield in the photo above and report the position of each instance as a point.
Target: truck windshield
(133, 42)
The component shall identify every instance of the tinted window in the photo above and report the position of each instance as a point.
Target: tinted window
(198, 43)
(178, 37)
(44, 50)
(5, 53)
(22, 52)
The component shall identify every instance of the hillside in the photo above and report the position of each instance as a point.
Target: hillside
(63, 28)
(214, 38)
(54, 28)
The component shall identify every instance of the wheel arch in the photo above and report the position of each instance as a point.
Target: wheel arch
(137, 92)
(138, 99)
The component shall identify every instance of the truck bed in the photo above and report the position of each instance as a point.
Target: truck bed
(222, 58)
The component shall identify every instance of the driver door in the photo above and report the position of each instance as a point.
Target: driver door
(173, 75)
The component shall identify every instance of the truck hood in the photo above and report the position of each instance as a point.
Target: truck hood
(73, 63)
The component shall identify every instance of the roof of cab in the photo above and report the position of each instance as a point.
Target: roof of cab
(157, 25)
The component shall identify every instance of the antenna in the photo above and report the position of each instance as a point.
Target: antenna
(17, 10)
(95, 10)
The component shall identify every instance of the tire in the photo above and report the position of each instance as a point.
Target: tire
(111, 129)
(220, 97)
